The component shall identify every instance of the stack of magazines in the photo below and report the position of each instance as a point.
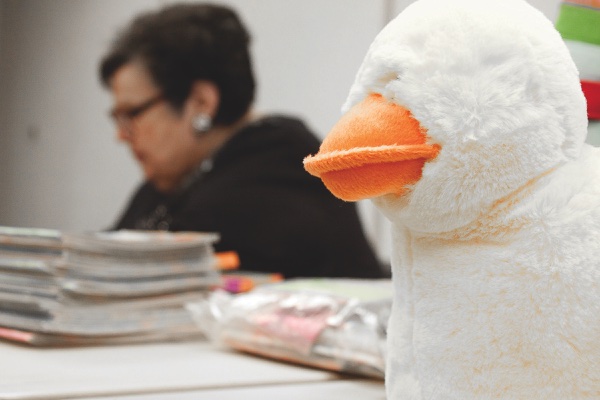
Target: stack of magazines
(123, 286)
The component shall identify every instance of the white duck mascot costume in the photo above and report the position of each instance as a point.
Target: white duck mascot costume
(466, 126)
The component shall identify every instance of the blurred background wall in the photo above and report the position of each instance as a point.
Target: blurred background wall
(60, 164)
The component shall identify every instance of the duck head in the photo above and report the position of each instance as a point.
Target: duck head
(457, 104)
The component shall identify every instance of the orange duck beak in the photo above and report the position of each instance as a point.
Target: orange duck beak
(376, 148)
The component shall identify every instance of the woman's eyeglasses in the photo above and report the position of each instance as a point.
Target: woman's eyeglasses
(124, 118)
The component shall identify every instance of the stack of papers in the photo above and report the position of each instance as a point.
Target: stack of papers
(27, 279)
(59, 288)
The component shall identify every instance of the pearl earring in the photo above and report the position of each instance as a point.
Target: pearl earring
(202, 123)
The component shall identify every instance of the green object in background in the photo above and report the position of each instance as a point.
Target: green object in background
(579, 23)
(593, 136)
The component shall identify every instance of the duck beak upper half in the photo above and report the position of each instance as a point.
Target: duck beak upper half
(376, 148)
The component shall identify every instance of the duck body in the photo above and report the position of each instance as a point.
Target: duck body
(506, 307)
(494, 201)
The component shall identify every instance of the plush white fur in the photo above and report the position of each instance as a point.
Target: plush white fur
(496, 262)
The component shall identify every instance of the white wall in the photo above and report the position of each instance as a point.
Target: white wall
(1, 7)
(3, 164)
(64, 168)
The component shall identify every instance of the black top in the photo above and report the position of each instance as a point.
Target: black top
(265, 206)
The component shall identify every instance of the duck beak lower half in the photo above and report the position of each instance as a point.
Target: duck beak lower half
(376, 148)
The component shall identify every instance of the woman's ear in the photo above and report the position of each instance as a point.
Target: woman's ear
(204, 98)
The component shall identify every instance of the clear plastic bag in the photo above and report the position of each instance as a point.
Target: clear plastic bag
(335, 324)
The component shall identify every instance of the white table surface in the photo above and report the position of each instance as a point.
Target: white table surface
(330, 390)
(84, 372)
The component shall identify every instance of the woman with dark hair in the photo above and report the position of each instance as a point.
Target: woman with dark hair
(182, 84)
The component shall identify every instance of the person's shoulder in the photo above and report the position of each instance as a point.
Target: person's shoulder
(283, 129)
(282, 121)
(276, 140)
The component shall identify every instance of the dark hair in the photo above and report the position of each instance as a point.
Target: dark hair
(182, 43)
